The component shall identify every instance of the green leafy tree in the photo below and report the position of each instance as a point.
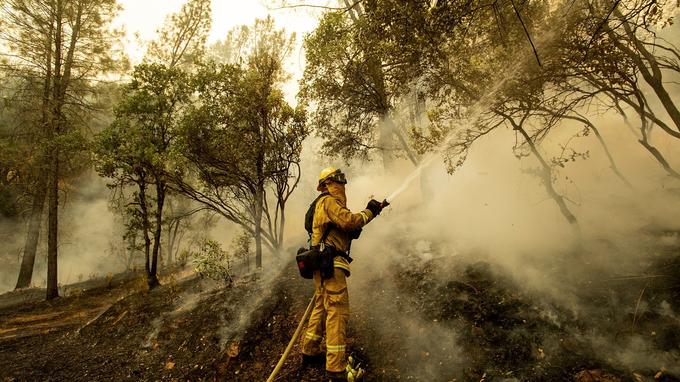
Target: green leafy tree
(213, 262)
(183, 36)
(137, 149)
(353, 87)
(61, 46)
(242, 139)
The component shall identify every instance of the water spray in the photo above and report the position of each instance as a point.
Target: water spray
(407, 181)
(475, 112)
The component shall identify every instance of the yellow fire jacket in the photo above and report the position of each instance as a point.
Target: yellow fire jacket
(332, 209)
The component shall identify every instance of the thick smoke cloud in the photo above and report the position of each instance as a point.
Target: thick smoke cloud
(90, 238)
(494, 209)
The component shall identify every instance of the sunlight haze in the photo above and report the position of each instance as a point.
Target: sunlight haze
(141, 20)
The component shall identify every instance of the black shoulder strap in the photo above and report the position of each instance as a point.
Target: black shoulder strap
(329, 227)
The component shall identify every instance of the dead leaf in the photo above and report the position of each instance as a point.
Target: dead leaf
(170, 365)
(541, 354)
(234, 349)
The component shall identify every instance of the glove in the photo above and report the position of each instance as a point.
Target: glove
(375, 207)
(355, 234)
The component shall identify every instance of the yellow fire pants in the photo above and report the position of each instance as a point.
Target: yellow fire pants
(330, 312)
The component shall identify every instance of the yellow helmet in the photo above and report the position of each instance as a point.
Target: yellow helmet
(331, 173)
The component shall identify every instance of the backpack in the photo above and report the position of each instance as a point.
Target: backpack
(314, 258)
(309, 216)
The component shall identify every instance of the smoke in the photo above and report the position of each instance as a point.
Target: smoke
(183, 304)
(495, 209)
(251, 301)
(90, 237)
(11, 252)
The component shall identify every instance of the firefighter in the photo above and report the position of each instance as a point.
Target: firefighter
(334, 221)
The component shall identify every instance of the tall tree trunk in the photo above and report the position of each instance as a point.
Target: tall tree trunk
(160, 200)
(145, 224)
(35, 220)
(31, 245)
(52, 225)
(386, 141)
(259, 187)
(282, 225)
(259, 203)
(53, 187)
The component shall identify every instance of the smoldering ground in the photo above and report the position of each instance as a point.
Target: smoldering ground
(494, 211)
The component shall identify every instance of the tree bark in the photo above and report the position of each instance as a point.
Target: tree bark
(53, 187)
(145, 223)
(53, 221)
(259, 194)
(32, 237)
(160, 200)
(35, 220)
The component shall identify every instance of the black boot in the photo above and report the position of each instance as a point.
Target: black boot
(314, 360)
(340, 376)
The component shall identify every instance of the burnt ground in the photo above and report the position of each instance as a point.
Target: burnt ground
(421, 319)
(187, 329)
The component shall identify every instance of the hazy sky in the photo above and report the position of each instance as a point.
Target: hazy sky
(141, 19)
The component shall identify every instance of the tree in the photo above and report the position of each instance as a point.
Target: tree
(63, 45)
(137, 149)
(242, 140)
(178, 49)
(22, 148)
(353, 86)
(619, 50)
(182, 38)
(238, 146)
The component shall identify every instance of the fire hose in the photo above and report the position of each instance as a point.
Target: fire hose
(292, 342)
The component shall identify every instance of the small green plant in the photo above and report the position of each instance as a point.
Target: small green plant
(213, 262)
(183, 257)
(241, 246)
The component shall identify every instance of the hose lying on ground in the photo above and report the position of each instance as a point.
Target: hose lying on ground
(292, 341)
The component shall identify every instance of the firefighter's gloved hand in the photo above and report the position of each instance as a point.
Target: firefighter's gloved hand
(355, 234)
(375, 207)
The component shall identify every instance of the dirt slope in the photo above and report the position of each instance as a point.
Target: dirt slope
(433, 320)
(183, 330)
